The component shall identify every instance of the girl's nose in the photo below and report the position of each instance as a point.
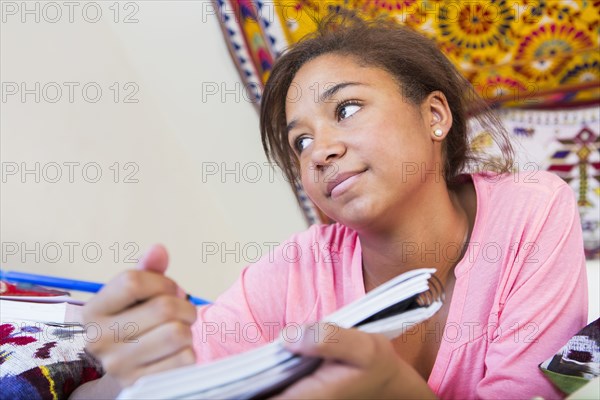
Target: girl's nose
(328, 147)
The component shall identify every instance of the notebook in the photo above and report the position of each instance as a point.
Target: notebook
(390, 309)
(28, 302)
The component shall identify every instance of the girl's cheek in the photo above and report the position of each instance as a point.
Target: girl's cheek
(308, 181)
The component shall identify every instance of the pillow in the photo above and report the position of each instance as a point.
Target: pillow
(43, 361)
(577, 362)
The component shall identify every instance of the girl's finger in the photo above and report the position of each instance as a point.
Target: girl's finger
(331, 342)
(137, 320)
(160, 343)
(155, 259)
(127, 289)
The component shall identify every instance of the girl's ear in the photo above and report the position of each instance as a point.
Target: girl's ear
(437, 115)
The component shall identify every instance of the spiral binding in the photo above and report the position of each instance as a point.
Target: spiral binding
(434, 294)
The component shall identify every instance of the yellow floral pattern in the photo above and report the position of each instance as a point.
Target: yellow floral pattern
(515, 52)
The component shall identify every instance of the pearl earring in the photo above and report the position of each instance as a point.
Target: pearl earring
(438, 132)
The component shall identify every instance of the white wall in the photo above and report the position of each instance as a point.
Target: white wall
(174, 50)
(593, 271)
(171, 54)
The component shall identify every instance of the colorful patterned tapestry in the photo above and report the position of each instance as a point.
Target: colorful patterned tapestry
(565, 142)
(43, 361)
(525, 54)
(514, 52)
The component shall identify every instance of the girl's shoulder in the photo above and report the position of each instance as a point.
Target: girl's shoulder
(530, 187)
(324, 246)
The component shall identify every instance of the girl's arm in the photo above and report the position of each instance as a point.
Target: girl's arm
(103, 388)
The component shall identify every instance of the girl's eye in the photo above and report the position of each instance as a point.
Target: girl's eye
(301, 143)
(346, 110)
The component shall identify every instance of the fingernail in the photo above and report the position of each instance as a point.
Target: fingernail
(297, 338)
(293, 346)
(142, 259)
(181, 293)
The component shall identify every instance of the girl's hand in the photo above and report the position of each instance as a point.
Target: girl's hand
(357, 365)
(142, 321)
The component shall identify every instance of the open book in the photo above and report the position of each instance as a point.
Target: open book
(53, 313)
(28, 302)
(390, 309)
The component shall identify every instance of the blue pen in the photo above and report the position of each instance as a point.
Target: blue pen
(68, 284)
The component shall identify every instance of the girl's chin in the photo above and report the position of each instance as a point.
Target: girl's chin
(355, 221)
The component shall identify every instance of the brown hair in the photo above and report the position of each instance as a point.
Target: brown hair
(413, 60)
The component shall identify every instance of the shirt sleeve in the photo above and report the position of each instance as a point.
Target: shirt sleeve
(247, 315)
(542, 306)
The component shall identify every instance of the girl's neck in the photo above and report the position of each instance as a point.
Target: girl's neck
(434, 234)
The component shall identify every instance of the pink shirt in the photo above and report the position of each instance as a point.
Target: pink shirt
(520, 291)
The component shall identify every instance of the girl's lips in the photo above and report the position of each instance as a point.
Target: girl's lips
(341, 183)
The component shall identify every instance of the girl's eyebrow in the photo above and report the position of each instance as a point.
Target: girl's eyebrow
(326, 95)
(291, 126)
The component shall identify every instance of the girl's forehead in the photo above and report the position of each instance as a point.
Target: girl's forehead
(330, 64)
(326, 71)
(325, 82)
(321, 85)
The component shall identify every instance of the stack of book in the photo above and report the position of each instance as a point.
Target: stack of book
(29, 302)
(390, 309)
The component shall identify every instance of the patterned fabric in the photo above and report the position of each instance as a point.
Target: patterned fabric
(41, 361)
(542, 51)
(516, 53)
(577, 362)
(565, 142)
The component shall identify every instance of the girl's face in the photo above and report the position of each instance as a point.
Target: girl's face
(364, 151)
